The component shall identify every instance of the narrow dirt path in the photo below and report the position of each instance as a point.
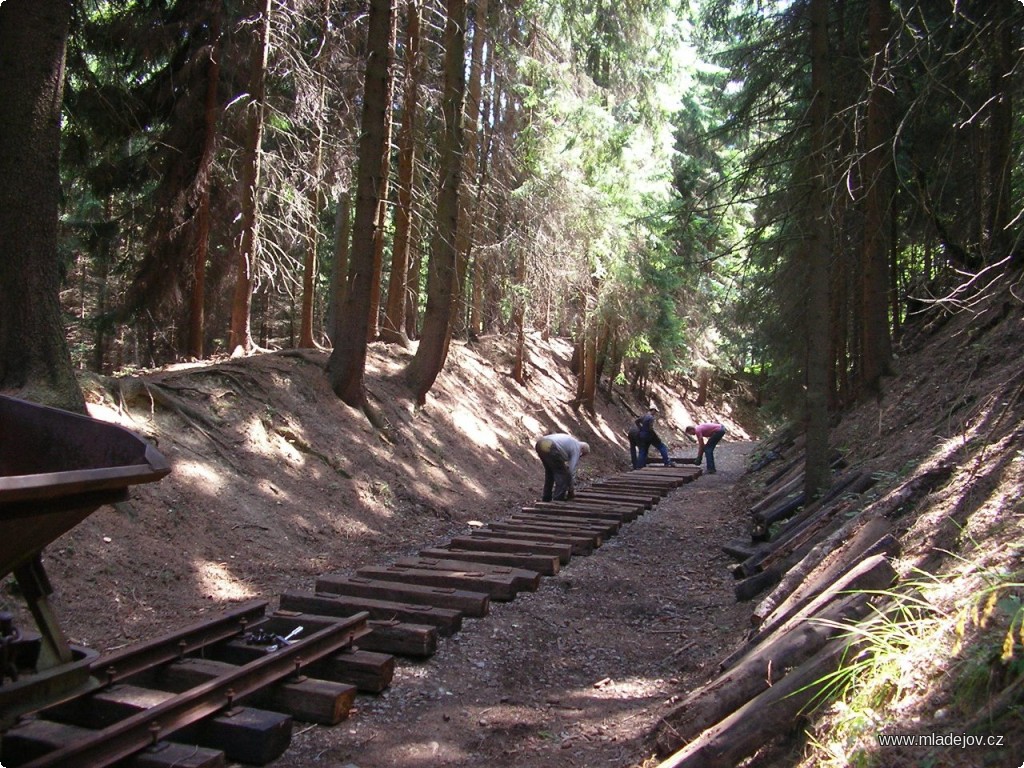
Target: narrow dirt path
(576, 673)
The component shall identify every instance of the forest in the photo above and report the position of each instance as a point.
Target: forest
(767, 200)
(752, 192)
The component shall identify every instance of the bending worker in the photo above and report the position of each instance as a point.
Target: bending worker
(645, 438)
(707, 436)
(560, 454)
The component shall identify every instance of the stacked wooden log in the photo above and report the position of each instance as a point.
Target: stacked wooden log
(784, 526)
(830, 566)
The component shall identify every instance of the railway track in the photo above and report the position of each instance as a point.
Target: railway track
(230, 689)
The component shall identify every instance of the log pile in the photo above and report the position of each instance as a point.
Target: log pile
(784, 527)
(827, 564)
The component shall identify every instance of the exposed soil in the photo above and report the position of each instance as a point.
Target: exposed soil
(276, 482)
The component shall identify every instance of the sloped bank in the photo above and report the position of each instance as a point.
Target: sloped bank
(901, 590)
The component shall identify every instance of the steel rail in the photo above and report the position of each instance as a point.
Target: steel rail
(112, 667)
(125, 738)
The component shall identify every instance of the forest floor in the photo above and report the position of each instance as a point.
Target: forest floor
(275, 482)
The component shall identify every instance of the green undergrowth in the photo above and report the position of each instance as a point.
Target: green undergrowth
(940, 655)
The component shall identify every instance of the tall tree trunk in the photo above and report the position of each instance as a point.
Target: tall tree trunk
(487, 292)
(589, 374)
(603, 349)
(412, 290)
(876, 345)
(442, 279)
(467, 209)
(372, 328)
(519, 320)
(241, 305)
(312, 242)
(703, 383)
(1002, 74)
(201, 240)
(315, 194)
(347, 363)
(34, 359)
(393, 327)
(339, 268)
(102, 261)
(817, 254)
(479, 272)
(576, 361)
(840, 321)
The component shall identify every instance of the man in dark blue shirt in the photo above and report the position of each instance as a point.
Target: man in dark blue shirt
(646, 437)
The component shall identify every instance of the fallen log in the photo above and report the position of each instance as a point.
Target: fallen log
(795, 576)
(887, 546)
(790, 487)
(871, 573)
(764, 456)
(801, 529)
(803, 536)
(782, 471)
(775, 711)
(741, 550)
(846, 482)
(895, 503)
(778, 709)
(783, 439)
(799, 532)
(868, 576)
(836, 461)
(758, 670)
(873, 534)
(762, 521)
(792, 450)
(780, 549)
(754, 585)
